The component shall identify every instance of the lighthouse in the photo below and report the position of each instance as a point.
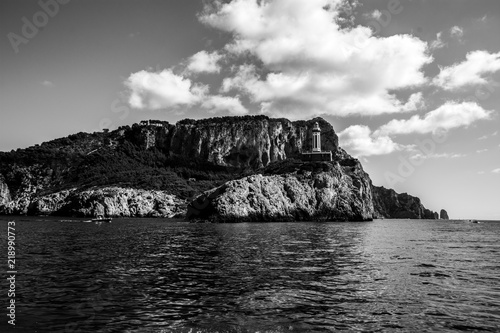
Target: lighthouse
(316, 154)
(316, 138)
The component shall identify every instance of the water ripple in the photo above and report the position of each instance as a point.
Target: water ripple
(157, 276)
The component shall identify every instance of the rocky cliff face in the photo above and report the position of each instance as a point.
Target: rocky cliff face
(109, 201)
(192, 156)
(443, 215)
(246, 142)
(389, 204)
(291, 191)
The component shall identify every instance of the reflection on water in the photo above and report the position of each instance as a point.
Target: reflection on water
(160, 276)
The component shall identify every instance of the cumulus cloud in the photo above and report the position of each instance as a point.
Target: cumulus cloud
(204, 62)
(448, 116)
(359, 141)
(470, 72)
(166, 90)
(217, 104)
(160, 90)
(308, 65)
(415, 102)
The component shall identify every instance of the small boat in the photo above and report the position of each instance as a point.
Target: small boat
(102, 219)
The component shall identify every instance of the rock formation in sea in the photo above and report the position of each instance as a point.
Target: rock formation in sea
(291, 191)
(112, 172)
(443, 215)
(107, 201)
(389, 204)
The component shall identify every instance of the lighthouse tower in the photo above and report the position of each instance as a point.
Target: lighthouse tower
(316, 154)
(316, 138)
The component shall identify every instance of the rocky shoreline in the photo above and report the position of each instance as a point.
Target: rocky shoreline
(320, 191)
(108, 201)
(156, 170)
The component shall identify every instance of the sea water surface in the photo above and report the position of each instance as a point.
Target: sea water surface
(155, 275)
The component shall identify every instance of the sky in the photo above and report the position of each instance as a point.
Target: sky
(410, 86)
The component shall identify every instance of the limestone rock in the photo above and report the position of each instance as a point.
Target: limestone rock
(109, 201)
(290, 191)
(443, 215)
(252, 141)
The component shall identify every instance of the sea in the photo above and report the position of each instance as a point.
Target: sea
(159, 275)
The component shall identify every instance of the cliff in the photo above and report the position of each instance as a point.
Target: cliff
(290, 191)
(108, 201)
(245, 142)
(389, 204)
(188, 158)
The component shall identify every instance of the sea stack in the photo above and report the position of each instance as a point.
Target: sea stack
(443, 215)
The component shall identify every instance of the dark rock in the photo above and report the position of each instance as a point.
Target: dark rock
(443, 215)
(389, 204)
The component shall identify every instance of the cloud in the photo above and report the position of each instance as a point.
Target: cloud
(358, 140)
(457, 32)
(361, 141)
(420, 156)
(166, 90)
(438, 43)
(448, 116)
(480, 151)
(216, 104)
(160, 90)
(299, 62)
(496, 170)
(486, 136)
(470, 72)
(204, 62)
(415, 102)
(376, 14)
(47, 84)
